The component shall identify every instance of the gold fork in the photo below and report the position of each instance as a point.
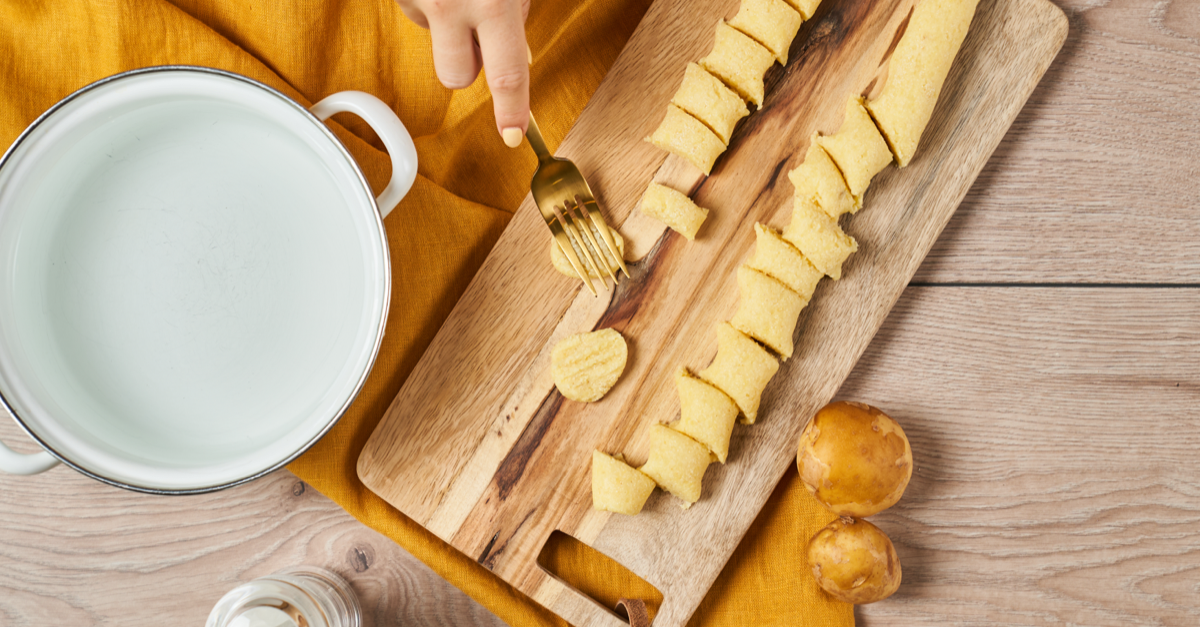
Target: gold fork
(561, 193)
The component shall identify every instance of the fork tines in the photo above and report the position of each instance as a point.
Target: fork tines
(588, 237)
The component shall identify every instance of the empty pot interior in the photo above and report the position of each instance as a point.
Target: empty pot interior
(192, 280)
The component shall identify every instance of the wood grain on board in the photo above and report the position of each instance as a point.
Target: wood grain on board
(479, 448)
(75, 552)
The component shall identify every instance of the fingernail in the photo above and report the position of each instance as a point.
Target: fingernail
(529, 53)
(512, 136)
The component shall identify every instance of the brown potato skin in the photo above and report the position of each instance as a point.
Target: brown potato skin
(854, 459)
(854, 561)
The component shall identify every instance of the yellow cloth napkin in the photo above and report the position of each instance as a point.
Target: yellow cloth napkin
(468, 186)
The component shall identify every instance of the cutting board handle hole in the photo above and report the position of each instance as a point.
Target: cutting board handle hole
(595, 575)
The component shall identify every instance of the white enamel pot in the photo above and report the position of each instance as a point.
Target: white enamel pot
(194, 277)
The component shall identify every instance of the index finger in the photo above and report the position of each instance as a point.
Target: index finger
(506, 66)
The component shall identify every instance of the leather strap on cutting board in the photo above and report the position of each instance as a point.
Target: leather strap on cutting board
(636, 608)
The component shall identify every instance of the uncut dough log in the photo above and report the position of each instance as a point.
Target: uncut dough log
(741, 369)
(858, 149)
(706, 414)
(818, 180)
(917, 70)
(775, 257)
(739, 62)
(819, 238)
(674, 209)
(767, 310)
(772, 23)
(560, 263)
(677, 463)
(707, 99)
(618, 487)
(585, 366)
(684, 135)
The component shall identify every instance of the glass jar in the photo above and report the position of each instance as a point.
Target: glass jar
(305, 596)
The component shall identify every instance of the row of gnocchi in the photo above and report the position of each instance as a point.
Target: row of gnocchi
(779, 279)
(698, 125)
(714, 93)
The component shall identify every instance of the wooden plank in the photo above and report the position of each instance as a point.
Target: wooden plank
(1092, 184)
(77, 552)
(1054, 436)
(479, 448)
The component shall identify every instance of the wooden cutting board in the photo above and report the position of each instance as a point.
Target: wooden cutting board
(480, 448)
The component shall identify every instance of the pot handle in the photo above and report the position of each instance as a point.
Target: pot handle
(390, 129)
(20, 464)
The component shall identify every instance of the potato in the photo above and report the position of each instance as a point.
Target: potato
(854, 459)
(854, 561)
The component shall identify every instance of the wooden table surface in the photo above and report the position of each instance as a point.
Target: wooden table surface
(1045, 363)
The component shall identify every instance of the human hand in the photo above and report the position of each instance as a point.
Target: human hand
(470, 34)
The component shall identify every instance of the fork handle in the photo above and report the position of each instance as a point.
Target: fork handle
(534, 135)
